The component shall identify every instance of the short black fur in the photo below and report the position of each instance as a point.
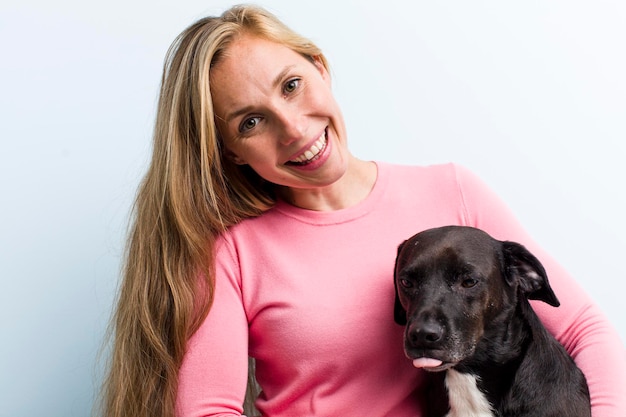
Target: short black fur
(521, 368)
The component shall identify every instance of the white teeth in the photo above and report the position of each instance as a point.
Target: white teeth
(313, 151)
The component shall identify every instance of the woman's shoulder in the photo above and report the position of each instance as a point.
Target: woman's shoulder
(448, 172)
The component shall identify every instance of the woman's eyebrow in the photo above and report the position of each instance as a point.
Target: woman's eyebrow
(277, 80)
(230, 116)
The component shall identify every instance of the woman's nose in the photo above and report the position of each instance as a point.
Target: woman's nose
(291, 124)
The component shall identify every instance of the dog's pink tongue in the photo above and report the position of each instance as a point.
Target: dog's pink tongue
(426, 363)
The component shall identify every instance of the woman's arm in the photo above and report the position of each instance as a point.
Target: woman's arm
(212, 379)
(578, 323)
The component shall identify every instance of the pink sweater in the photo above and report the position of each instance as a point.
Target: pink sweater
(310, 296)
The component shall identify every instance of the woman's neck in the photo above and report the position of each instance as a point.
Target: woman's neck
(352, 188)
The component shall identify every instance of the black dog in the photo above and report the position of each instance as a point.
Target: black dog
(463, 297)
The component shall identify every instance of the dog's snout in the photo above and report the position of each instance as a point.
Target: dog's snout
(426, 333)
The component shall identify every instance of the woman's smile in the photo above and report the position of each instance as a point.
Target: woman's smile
(312, 153)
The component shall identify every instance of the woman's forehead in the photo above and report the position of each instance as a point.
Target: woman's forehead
(251, 67)
(255, 50)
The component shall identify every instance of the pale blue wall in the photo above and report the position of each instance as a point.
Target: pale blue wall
(531, 96)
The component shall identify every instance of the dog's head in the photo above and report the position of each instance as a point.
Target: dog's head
(456, 285)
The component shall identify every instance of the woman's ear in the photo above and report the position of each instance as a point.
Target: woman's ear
(234, 158)
(321, 68)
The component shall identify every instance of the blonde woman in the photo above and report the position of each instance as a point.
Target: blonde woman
(258, 234)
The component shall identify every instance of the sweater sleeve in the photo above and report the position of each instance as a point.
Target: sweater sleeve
(578, 323)
(213, 375)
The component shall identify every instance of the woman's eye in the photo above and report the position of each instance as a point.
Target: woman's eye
(291, 85)
(249, 123)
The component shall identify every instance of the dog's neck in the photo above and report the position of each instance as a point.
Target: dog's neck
(466, 399)
(499, 353)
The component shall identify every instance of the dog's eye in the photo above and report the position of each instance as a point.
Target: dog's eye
(406, 283)
(469, 282)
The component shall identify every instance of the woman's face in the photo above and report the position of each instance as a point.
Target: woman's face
(275, 111)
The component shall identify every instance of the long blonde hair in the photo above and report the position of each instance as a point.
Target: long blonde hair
(190, 194)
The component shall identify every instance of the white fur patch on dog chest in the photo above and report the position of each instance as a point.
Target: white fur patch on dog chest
(466, 400)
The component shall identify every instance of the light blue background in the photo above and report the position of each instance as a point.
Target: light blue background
(530, 95)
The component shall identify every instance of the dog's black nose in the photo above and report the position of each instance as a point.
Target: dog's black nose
(426, 333)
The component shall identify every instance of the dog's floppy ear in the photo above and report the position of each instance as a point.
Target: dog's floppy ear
(523, 267)
(399, 314)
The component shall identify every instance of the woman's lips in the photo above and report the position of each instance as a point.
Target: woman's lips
(312, 153)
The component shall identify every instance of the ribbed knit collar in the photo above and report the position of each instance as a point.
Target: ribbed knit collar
(322, 218)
